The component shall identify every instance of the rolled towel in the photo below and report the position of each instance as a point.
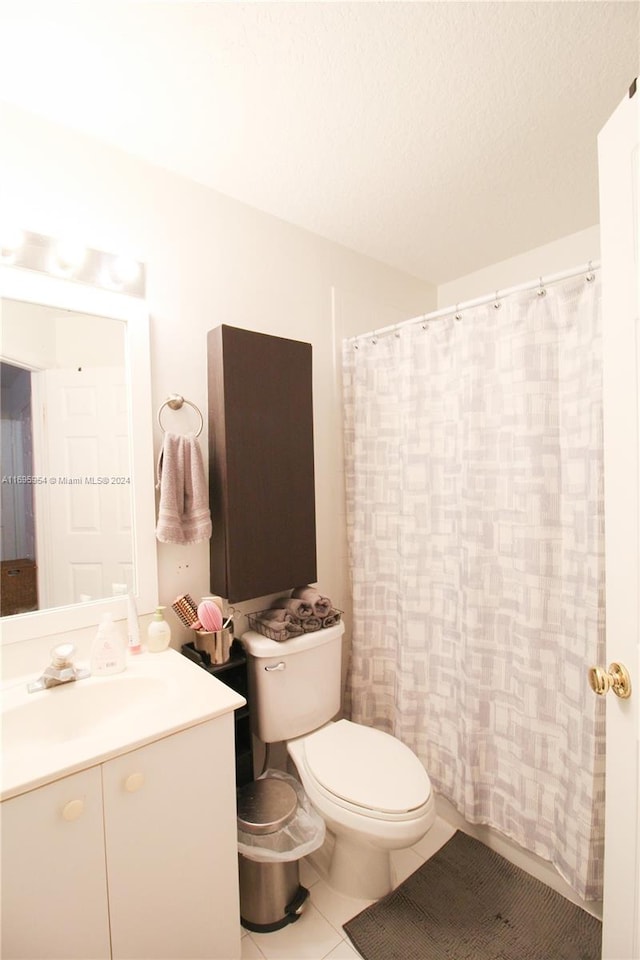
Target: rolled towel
(279, 615)
(322, 606)
(280, 623)
(299, 609)
(311, 624)
(331, 619)
(275, 626)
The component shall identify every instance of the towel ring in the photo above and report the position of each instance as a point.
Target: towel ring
(175, 401)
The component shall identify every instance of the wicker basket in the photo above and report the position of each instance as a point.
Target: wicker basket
(292, 630)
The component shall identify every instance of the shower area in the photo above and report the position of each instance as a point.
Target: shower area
(475, 517)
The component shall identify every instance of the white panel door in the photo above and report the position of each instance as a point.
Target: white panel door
(54, 887)
(619, 171)
(88, 528)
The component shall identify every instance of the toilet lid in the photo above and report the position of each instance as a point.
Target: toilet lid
(367, 767)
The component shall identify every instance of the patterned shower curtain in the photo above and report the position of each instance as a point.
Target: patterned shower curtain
(474, 477)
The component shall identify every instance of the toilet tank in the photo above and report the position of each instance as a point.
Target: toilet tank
(294, 685)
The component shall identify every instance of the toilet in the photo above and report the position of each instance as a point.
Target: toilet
(371, 790)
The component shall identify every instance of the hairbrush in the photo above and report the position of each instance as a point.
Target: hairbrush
(209, 615)
(186, 609)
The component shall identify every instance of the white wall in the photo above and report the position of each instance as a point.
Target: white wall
(575, 250)
(210, 260)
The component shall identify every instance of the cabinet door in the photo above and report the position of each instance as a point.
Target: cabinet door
(171, 844)
(261, 463)
(54, 889)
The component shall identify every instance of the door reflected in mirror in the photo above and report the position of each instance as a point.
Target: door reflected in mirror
(66, 530)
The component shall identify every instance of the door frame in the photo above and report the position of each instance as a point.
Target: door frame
(619, 181)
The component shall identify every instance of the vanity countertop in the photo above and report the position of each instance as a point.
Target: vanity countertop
(52, 733)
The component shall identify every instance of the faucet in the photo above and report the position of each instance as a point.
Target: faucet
(60, 670)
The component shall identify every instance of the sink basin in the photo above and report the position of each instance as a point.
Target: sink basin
(79, 709)
(52, 733)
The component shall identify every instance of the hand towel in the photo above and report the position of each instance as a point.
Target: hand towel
(183, 511)
(311, 624)
(322, 606)
(299, 609)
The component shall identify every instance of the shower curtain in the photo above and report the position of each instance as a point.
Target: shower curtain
(474, 485)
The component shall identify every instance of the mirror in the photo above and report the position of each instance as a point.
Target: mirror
(65, 529)
(78, 513)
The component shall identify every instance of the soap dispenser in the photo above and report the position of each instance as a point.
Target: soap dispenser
(158, 632)
(108, 651)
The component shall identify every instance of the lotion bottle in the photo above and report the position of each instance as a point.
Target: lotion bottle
(133, 628)
(158, 632)
(108, 652)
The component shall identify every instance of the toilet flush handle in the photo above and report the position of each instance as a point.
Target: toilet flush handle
(276, 666)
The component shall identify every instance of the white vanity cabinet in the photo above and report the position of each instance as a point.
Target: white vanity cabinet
(54, 882)
(134, 859)
(171, 847)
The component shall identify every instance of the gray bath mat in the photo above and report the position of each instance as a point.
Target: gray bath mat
(469, 903)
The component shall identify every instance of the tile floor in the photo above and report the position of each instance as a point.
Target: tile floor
(318, 934)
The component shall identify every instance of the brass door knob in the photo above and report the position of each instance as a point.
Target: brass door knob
(616, 678)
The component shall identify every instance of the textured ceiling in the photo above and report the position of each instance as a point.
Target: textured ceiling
(437, 137)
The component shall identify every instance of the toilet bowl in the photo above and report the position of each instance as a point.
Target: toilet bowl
(371, 790)
(374, 796)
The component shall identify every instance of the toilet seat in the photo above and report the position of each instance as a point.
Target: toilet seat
(366, 771)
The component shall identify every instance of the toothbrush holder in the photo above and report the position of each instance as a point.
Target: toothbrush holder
(217, 643)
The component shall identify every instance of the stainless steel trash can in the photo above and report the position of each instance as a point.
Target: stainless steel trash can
(270, 892)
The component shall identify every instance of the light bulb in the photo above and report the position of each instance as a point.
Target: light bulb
(125, 270)
(70, 254)
(11, 240)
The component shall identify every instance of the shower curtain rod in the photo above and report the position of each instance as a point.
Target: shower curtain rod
(496, 297)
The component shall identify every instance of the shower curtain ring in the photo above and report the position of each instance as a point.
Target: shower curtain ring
(497, 302)
(458, 315)
(590, 275)
(541, 290)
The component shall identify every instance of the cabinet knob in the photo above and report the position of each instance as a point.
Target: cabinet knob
(73, 810)
(133, 782)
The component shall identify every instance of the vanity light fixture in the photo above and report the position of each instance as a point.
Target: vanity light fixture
(72, 260)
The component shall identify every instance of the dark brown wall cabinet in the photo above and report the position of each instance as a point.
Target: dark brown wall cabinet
(261, 469)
